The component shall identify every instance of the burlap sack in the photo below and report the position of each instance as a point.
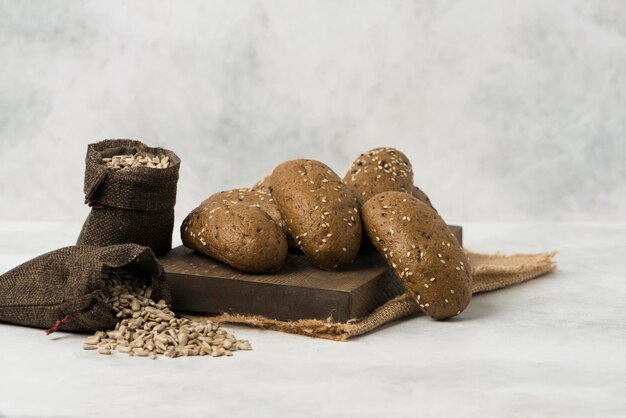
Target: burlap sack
(63, 284)
(138, 202)
(490, 272)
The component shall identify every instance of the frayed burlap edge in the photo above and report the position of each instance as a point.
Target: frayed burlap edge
(495, 271)
(490, 272)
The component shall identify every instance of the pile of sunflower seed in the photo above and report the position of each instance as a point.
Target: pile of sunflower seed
(148, 328)
(120, 162)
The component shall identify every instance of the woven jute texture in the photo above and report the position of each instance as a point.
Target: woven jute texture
(490, 272)
(138, 202)
(65, 282)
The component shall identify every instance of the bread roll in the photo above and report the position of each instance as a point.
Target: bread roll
(421, 250)
(244, 237)
(320, 213)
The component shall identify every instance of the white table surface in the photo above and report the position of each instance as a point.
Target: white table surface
(551, 347)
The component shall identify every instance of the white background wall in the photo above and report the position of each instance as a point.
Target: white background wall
(509, 110)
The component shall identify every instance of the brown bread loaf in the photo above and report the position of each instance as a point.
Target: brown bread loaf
(421, 250)
(321, 214)
(241, 236)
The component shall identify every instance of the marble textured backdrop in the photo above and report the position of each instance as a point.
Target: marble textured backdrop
(509, 111)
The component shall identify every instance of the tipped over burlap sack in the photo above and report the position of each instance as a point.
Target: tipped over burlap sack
(62, 287)
(133, 205)
(489, 272)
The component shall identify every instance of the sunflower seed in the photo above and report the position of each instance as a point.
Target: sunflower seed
(147, 328)
(104, 350)
(120, 162)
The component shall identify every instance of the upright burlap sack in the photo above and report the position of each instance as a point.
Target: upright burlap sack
(138, 202)
(490, 272)
(63, 285)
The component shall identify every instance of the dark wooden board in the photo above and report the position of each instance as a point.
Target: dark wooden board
(298, 291)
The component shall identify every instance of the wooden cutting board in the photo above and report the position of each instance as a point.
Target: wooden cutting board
(298, 291)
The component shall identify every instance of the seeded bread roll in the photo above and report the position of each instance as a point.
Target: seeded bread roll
(421, 250)
(247, 197)
(379, 170)
(321, 215)
(241, 236)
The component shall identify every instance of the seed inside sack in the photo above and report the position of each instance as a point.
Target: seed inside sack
(148, 328)
(121, 162)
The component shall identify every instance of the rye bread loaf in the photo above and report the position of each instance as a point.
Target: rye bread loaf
(244, 237)
(247, 197)
(320, 212)
(421, 250)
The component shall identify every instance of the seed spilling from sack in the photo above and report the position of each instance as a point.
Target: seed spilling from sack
(120, 162)
(150, 328)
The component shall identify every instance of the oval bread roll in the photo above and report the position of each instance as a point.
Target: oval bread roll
(243, 237)
(321, 215)
(421, 250)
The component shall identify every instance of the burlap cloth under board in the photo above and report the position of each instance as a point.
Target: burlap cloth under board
(490, 272)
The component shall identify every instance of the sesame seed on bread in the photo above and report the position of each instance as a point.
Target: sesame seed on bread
(247, 197)
(379, 170)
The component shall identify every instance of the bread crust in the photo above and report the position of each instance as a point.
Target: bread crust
(421, 250)
(247, 197)
(379, 170)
